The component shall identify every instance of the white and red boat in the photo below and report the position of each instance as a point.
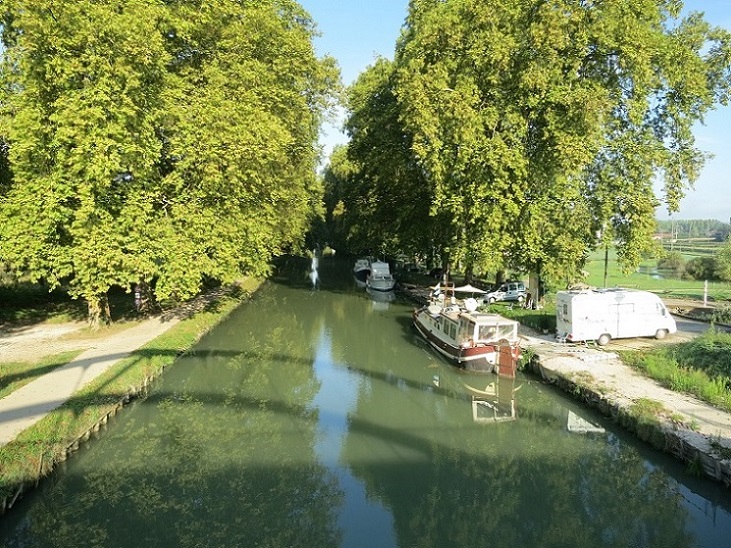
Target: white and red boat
(471, 340)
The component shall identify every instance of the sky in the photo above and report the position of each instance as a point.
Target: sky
(357, 32)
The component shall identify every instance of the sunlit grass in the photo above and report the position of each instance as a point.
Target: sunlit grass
(701, 367)
(644, 278)
(14, 375)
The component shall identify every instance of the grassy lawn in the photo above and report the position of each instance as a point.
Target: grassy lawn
(14, 375)
(644, 278)
(701, 367)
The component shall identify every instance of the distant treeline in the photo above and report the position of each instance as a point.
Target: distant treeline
(696, 228)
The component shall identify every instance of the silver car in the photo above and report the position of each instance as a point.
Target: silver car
(508, 291)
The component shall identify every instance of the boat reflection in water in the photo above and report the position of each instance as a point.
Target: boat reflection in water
(381, 299)
(494, 402)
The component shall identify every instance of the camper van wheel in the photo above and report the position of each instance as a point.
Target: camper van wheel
(603, 339)
(661, 334)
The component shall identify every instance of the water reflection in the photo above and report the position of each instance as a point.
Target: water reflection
(311, 419)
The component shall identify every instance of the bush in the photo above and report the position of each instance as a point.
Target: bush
(673, 263)
(701, 268)
(722, 315)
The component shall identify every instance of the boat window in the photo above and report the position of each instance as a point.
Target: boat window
(506, 331)
(487, 332)
(466, 330)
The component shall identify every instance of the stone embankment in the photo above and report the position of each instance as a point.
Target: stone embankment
(694, 432)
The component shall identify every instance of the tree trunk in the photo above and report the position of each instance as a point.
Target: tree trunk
(535, 287)
(469, 273)
(144, 299)
(99, 313)
(446, 266)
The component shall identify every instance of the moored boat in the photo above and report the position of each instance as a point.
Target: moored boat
(471, 340)
(380, 277)
(361, 270)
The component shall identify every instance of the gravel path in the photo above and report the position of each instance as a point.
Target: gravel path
(32, 402)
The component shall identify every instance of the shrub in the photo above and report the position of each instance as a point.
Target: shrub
(674, 263)
(701, 268)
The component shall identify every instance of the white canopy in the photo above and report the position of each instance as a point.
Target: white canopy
(469, 289)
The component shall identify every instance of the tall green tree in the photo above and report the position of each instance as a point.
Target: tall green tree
(388, 198)
(158, 143)
(541, 124)
(84, 98)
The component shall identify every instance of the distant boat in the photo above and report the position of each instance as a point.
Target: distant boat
(361, 270)
(380, 277)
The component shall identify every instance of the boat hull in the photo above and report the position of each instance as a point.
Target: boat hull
(360, 277)
(381, 284)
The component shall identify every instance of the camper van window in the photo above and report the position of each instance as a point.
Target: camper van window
(565, 309)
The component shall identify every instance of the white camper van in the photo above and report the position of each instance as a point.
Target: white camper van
(604, 314)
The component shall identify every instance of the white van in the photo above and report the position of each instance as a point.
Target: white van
(604, 314)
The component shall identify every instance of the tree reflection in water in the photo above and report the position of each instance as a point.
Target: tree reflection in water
(308, 406)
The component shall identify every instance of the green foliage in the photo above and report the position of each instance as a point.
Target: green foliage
(384, 196)
(672, 262)
(162, 143)
(722, 315)
(723, 261)
(526, 130)
(701, 268)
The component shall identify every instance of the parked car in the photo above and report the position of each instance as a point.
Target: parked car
(508, 291)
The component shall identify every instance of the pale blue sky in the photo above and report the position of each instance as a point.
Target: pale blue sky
(357, 32)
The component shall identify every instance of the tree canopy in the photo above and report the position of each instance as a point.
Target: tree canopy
(158, 143)
(536, 129)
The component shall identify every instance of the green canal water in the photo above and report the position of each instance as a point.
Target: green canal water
(316, 418)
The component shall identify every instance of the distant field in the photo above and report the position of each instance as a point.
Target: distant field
(647, 278)
(692, 247)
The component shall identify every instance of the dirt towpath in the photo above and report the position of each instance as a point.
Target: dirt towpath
(27, 405)
(692, 430)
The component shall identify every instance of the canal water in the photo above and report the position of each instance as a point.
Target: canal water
(314, 417)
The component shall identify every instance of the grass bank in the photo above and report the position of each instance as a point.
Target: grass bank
(34, 453)
(701, 367)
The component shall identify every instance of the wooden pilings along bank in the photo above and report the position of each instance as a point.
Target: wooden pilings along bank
(47, 465)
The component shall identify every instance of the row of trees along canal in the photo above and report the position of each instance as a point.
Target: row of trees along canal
(173, 142)
(156, 143)
(521, 135)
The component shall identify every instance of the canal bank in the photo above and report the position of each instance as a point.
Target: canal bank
(681, 425)
(45, 421)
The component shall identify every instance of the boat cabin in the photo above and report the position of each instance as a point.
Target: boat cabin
(476, 328)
